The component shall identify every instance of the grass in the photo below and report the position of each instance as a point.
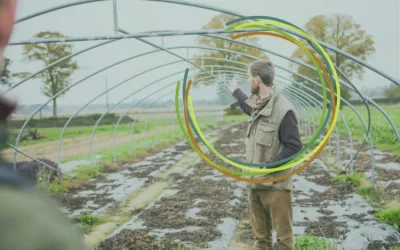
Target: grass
(124, 153)
(391, 216)
(382, 134)
(53, 134)
(308, 242)
(355, 180)
(374, 196)
(88, 220)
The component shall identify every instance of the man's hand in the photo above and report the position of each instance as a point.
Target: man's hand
(233, 84)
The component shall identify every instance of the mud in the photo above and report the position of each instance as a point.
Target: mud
(102, 192)
(326, 226)
(389, 158)
(387, 174)
(137, 240)
(202, 208)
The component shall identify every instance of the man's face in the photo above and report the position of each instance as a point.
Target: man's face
(7, 18)
(254, 86)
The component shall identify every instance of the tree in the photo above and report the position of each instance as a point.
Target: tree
(58, 77)
(392, 91)
(218, 22)
(345, 34)
(6, 74)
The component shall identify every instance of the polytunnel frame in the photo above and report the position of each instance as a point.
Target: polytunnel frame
(305, 106)
(139, 90)
(183, 33)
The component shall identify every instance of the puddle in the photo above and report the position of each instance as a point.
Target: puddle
(306, 213)
(298, 230)
(234, 130)
(229, 145)
(389, 165)
(156, 156)
(211, 177)
(133, 224)
(177, 157)
(385, 184)
(306, 186)
(163, 232)
(227, 229)
(191, 213)
(189, 172)
(234, 202)
(165, 193)
(140, 164)
(235, 156)
(129, 186)
(87, 193)
(197, 201)
(155, 173)
(71, 166)
(238, 192)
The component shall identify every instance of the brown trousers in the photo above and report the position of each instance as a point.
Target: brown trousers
(271, 210)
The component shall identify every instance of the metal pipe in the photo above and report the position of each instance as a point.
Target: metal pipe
(138, 56)
(101, 94)
(121, 117)
(386, 116)
(133, 124)
(59, 7)
(115, 15)
(56, 63)
(115, 105)
(66, 89)
(323, 44)
(166, 50)
(38, 161)
(138, 35)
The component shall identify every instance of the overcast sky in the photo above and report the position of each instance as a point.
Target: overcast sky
(380, 18)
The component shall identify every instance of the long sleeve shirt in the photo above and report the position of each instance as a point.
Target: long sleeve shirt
(289, 134)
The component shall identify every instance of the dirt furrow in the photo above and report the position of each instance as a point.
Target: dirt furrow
(201, 210)
(174, 200)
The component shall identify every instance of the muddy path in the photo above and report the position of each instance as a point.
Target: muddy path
(173, 200)
(386, 165)
(72, 147)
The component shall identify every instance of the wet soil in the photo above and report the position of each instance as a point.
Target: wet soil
(99, 191)
(137, 240)
(387, 174)
(326, 226)
(198, 237)
(212, 197)
(389, 158)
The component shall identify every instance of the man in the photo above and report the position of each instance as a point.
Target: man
(272, 135)
(28, 220)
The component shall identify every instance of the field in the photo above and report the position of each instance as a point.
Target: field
(158, 194)
(382, 133)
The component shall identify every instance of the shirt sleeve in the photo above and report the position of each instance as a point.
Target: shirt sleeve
(289, 135)
(241, 98)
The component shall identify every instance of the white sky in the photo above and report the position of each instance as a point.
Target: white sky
(379, 18)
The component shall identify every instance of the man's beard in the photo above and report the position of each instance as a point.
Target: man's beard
(255, 90)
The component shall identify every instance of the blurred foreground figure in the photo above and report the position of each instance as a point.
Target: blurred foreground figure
(28, 219)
